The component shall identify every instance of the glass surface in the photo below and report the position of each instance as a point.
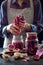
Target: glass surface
(31, 43)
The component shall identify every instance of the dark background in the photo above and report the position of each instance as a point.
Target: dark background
(1, 39)
(41, 4)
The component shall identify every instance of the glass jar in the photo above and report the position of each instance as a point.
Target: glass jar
(18, 41)
(31, 43)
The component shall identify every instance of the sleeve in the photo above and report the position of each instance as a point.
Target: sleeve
(33, 28)
(4, 20)
(5, 33)
(37, 16)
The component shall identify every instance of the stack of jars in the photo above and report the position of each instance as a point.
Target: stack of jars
(31, 43)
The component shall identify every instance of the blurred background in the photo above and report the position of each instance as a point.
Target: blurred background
(1, 38)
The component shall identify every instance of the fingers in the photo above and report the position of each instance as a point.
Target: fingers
(15, 30)
(27, 26)
(21, 24)
(16, 27)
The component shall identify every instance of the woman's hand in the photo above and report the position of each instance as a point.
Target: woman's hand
(15, 30)
(27, 27)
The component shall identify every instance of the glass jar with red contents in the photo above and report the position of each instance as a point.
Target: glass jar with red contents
(18, 42)
(31, 43)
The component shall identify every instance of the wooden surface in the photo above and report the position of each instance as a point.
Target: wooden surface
(20, 62)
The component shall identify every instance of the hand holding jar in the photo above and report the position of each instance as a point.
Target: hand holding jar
(18, 39)
(18, 24)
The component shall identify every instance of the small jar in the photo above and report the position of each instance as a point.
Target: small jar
(31, 43)
(18, 42)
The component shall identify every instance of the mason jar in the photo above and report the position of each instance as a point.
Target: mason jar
(31, 43)
(18, 41)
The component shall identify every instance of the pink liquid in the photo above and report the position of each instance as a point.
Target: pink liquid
(18, 45)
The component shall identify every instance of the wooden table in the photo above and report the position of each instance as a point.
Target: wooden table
(20, 62)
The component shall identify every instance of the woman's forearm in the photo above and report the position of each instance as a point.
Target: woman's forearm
(6, 33)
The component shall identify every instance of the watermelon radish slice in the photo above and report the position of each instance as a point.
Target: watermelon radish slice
(36, 57)
(39, 53)
(10, 47)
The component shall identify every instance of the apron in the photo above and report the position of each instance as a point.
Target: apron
(12, 13)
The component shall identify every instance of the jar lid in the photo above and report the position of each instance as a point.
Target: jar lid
(31, 35)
